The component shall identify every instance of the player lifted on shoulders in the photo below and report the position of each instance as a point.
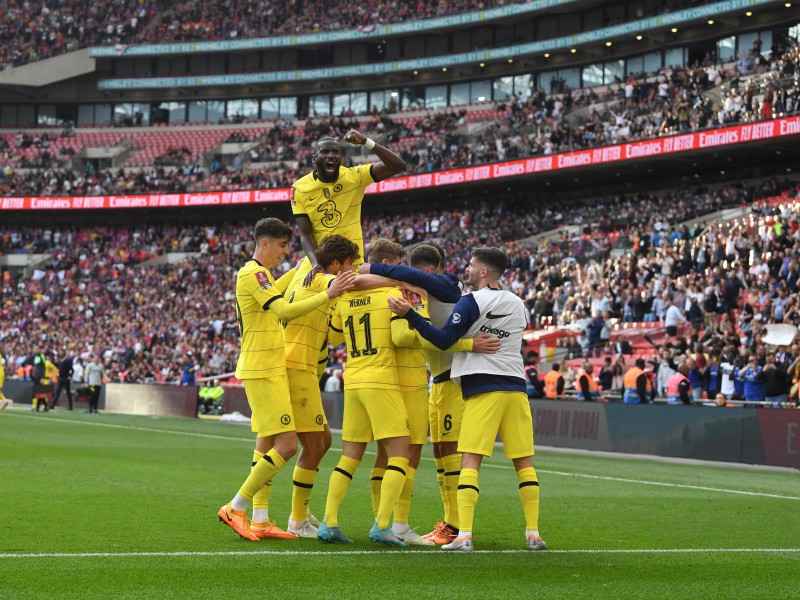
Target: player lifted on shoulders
(328, 200)
(493, 387)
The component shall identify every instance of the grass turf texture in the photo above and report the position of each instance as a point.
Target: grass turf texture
(139, 491)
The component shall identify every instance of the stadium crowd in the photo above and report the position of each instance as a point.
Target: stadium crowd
(145, 320)
(643, 107)
(36, 30)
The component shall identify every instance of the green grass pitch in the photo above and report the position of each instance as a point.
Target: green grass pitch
(116, 506)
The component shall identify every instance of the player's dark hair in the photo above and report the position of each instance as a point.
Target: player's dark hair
(440, 250)
(639, 363)
(274, 228)
(334, 248)
(494, 258)
(383, 249)
(424, 255)
(327, 138)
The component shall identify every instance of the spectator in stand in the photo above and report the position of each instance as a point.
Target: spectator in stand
(189, 370)
(753, 386)
(775, 381)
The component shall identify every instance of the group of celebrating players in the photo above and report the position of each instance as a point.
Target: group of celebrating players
(398, 322)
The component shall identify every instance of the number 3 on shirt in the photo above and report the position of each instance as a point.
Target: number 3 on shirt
(368, 350)
(332, 216)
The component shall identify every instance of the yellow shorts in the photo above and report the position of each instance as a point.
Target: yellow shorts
(371, 414)
(416, 401)
(446, 410)
(270, 404)
(506, 413)
(306, 401)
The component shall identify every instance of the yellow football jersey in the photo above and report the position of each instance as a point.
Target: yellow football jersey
(334, 208)
(412, 372)
(262, 353)
(306, 336)
(363, 318)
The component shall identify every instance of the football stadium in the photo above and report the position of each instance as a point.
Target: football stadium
(313, 299)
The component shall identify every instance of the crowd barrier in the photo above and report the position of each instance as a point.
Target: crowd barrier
(747, 435)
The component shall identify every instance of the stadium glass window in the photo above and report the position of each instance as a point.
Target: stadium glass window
(85, 114)
(319, 105)
(675, 57)
(523, 84)
(480, 91)
(635, 64)
(215, 111)
(459, 94)
(235, 107)
(726, 48)
(385, 100)
(47, 115)
(288, 107)
(359, 102)
(592, 75)
(794, 31)
(176, 111)
(250, 109)
(412, 98)
(341, 104)
(270, 108)
(503, 88)
(8, 115)
(197, 112)
(125, 113)
(614, 72)
(652, 62)
(26, 115)
(745, 41)
(102, 114)
(436, 96)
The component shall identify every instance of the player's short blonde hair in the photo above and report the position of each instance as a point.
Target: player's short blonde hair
(383, 249)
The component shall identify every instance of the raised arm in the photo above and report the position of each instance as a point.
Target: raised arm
(391, 163)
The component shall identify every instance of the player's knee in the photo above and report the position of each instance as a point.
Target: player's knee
(286, 446)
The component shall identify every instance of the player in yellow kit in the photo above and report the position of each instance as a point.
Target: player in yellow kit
(328, 200)
(373, 408)
(260, 307)
(304, 338)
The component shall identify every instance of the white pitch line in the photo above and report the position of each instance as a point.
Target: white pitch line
(406, 552)
(684, 486)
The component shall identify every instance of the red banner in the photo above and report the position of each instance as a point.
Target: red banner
(738, 134)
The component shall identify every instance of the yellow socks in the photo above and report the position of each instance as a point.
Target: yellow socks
(467, 498)
(452, 471)
(340, 481)
(529, 495)
(393, 481)
(302, 484)
(375, 482)
(403, 508)
(261, 474)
